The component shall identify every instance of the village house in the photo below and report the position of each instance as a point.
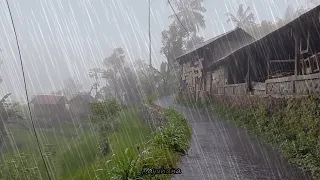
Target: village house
(194, 65)
(49, 106)
(284, 62)
(79, 105)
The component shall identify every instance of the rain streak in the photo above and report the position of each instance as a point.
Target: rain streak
(160, 89)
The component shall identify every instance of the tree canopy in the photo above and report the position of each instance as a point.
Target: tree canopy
(243, 19)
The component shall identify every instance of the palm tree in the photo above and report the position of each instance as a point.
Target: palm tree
(243, 19)
(190, 14)
(290, 14)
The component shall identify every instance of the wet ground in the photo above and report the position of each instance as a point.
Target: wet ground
(221, 151)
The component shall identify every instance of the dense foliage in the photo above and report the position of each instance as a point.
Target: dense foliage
(161, 149)
(103, 118)
(176, 135)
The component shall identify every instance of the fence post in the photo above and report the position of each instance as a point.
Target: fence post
(293, 84)
(266, 87)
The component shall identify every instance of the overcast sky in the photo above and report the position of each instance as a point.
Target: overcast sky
(64, 38)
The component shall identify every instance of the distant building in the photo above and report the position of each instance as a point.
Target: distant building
(49, 106)
(79, 105)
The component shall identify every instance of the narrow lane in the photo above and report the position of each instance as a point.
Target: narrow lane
(221, 151)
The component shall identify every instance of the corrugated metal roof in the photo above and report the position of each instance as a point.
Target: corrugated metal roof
(307, 15)
(209, 41)
(46, 99)
(85, 97)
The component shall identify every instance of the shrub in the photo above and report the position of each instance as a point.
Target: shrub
(176, 135)
(150, 98)
(104, 118)
(163, 150)
(104, 110)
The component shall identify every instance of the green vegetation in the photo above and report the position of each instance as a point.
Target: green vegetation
(154, 96)
(62, 145)
(73, 153)
(295, 129)
(129, 132)
(134, 146)
(151, 98)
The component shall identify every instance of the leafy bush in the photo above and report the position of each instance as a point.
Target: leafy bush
(176, 135)
(104, 118)
(150, 98)
(161, 150)
(104, 110)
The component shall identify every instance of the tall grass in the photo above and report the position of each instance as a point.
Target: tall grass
(134, 145)
(55, 141)
(79, 154)
(131, 131)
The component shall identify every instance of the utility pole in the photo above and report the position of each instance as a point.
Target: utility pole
(150, 60)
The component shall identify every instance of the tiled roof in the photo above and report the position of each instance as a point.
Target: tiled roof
(46, 99)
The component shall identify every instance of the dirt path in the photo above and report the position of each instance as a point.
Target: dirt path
(221, 151)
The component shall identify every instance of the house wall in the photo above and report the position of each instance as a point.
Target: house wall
(208, 81)
(219, 78)
(190, 72)
(80, 109)
(48, 110)
(192, 75)
(300, 85)
(79, 106)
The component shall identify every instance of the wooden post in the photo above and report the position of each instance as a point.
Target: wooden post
(204, 75)
(297, 64)
(268, 68)
(297, 42)
(210, 81)
(248, 74)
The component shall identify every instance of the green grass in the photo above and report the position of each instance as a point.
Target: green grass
(58, 139)
(133, 145)
(131, 131)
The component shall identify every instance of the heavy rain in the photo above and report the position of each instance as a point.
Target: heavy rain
(160, 89)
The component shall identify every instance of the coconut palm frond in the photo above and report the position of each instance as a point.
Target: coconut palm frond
(246, 12)
(232, 18)
(240, 11)
(190, 14)
(200, 19)
(249, 19)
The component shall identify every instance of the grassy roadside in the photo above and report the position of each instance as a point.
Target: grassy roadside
(136, 147)
(131, 131)
(295, 130)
